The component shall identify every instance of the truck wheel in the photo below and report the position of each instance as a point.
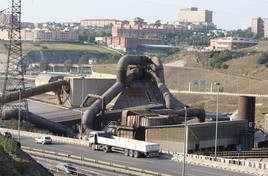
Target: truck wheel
(136, 154)
(126, 152)
(131, 153)
(105, 149)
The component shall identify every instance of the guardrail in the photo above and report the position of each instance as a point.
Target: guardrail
(220, 93)
(244, 154)
(117, 168)
(243, 166)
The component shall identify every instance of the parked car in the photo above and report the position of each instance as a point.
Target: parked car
(66, 167)
(43, 140)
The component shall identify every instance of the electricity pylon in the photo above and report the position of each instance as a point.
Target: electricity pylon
(15, 66)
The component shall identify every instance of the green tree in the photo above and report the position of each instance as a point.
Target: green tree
(83, 59)
(158, 23)
(263, 59)
(44, 64)
(67, 65)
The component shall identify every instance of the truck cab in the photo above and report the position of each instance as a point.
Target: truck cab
(93, 136)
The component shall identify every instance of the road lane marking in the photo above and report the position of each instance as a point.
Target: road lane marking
(110, 159)
(207, 172)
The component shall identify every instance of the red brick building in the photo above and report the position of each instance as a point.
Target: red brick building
(129, 44)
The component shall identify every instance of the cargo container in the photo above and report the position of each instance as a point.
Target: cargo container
(100, 140)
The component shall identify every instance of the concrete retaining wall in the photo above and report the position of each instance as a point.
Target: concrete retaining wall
(249, 167)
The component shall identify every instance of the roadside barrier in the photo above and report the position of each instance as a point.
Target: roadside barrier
(244, 166)
(88, 162)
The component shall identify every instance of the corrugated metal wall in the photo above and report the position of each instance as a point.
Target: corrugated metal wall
(91, 85)
(200, 136)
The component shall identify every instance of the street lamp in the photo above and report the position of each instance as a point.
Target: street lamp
(184, 146)
(217, 117)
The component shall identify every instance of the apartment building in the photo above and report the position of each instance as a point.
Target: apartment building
(257, 26)
(231, 43)
(265, 25)
(66, 35)
(98, 22)
(5, 19)
(143, 31)
(195, 16)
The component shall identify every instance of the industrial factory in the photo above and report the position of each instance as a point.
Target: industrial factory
(134, 104)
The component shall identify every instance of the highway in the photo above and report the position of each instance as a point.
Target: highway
(162, 164)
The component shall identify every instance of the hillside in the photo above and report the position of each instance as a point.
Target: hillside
(13, 161)
(244, 74)
(59, 52)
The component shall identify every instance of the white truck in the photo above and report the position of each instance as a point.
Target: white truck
(100, 140)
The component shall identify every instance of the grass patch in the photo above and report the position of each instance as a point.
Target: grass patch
(8, 145)
(30, 46)
(71, 46)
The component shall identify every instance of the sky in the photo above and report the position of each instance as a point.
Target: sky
(227, 14)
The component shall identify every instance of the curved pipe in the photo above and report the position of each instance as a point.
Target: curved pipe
(39, 121)
(123, 64)
(88, 118)
(13, 96)
(157, 72)
(191, 112)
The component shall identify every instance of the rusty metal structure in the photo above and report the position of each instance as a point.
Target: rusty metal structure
(138, 99)
(140, 82)
(55, 86)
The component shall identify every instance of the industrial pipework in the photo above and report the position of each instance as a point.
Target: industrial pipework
(53, 86)
(152, 66)
(33, 118)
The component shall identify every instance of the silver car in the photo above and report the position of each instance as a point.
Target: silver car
(66, 167)
(43, 140)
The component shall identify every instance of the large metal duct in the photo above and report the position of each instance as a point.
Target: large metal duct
(153, 66)
(53, 86)
(39, 121)
(191, 112)
(88, 118)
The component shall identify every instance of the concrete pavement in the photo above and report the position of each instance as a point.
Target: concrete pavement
(162, 164)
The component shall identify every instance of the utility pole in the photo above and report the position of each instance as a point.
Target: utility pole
(185, 140)
(217, 119)
(15, 65)
(83, 96)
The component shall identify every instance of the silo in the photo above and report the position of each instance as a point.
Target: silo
(246, 109)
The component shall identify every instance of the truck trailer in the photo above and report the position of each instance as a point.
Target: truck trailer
(100, 140)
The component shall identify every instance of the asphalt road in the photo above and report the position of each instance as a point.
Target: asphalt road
(160, 164)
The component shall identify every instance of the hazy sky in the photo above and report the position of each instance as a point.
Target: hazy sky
(228, 14)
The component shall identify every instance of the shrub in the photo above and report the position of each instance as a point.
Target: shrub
(22, 167)
(8, 145)
(263, 59)
(44, 47)
(224, 66)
